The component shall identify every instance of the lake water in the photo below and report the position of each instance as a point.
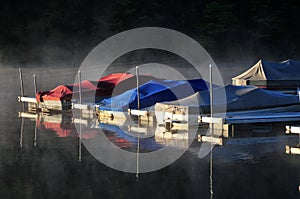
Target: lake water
(46, 159)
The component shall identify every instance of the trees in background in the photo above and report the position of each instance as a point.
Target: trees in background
(45, 31)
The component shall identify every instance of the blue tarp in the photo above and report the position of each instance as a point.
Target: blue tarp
(152, 92)
(287, 70)
(264, 70)
(238, 98)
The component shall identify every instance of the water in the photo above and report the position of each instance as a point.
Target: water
(51, 164)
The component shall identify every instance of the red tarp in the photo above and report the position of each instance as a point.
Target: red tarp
(103, 87)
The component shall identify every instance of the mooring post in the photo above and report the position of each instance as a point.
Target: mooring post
(211, 90)
(139, 118)
(80, 116)
(21, 87)
(35, 84)
(21, 82)
(137, 86)
(79, 78)
(211, 96)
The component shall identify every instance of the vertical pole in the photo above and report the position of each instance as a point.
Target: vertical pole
(35, 84)
(211, 126)
(80, 135)
(79, 77)
(21, 82)
(137, 85)
(211, 90)
(21, 86)
(138, 104)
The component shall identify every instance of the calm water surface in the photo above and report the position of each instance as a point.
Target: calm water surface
(46, 161)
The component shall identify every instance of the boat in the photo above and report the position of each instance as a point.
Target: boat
(152, 92)
(63, 96)
(283, 76)
(239, 101)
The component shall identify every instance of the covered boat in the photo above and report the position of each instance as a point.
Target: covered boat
(278, 76)
(238, 98)
(152, 92)
(60, 97)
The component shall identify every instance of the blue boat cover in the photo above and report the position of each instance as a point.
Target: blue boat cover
(152, 92)
(264, 70)
(238, 98)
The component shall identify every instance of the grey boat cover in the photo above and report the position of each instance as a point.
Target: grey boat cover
(264, 70)
(238, 98)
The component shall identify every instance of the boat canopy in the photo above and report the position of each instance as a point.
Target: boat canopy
(114, 83)
(152, 92)
(238, 98)
(264, 70)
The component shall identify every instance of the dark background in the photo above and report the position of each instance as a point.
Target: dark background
(63, 32)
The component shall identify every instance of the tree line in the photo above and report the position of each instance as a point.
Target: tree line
(60, 31)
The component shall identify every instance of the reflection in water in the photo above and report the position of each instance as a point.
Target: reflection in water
(217, 173)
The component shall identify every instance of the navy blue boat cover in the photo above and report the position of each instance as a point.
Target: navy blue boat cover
(264, 70)
(152, 92)
(238, 98)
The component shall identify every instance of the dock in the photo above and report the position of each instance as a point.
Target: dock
(227, 121)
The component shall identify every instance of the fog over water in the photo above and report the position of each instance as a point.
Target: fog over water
(243, 168)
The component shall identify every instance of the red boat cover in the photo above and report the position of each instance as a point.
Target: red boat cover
(103, 87)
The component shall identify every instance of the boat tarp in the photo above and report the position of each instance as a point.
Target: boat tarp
(264, 70)
(238, 98)
(152, 92)
(114, 83)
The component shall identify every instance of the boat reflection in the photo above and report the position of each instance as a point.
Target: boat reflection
(243, 145)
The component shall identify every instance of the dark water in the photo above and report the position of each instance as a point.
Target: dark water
(48, 164)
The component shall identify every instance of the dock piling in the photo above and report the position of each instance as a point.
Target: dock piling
(21, 86)
(35, 84)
